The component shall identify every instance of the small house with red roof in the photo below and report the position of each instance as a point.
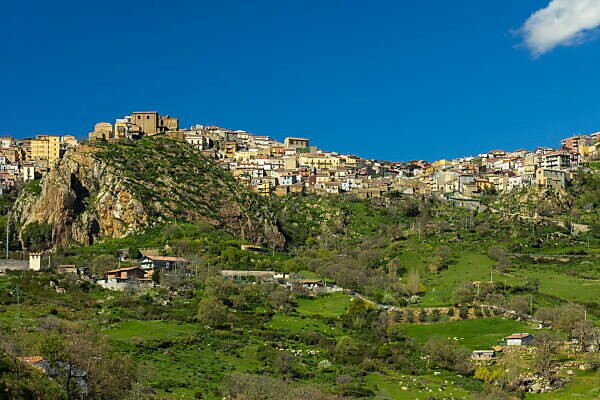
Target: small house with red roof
(519, 339)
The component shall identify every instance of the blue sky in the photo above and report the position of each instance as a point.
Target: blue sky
(392, 80)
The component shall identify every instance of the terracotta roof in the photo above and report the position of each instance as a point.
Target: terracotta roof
(164, 258)
(517, 336)
(31, 359)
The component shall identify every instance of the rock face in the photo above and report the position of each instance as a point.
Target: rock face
(118, 189)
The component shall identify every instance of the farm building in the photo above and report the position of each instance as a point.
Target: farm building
(519, 339)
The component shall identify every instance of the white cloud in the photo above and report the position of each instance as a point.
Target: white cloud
(562, 22)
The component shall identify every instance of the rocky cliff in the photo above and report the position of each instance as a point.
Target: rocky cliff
(117, 189)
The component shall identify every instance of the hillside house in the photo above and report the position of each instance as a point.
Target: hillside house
(310, 283)
(163, 262)
(551, 178)
(126, 273)
(66, 269)
(519, 339)
(126, 278)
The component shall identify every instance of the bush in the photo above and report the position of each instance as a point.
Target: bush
(36, 236)
(449, 355)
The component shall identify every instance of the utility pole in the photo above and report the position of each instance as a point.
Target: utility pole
(7, 229)
(531, 305)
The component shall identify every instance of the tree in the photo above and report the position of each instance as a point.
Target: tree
(587, 333)
(444, 253)
(463, 295)
(284, 362)
(413, 281)
(73, 350)
(358, 306)
(511, 376)
(102, 263)
(497, 252)
(449, 355)
(212, 312)
(545, 315)
(279, 297)
(495, 299)
(22, 382)
(521, 305)
(220, 288)
(567, 316)
(37, 236)
(173, 231)
(547, 344)
(346, 348)
(395, 332)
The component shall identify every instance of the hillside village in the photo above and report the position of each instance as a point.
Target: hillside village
(294, 166)
(23, 160)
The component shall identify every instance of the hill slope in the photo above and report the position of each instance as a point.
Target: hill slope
(116, 189)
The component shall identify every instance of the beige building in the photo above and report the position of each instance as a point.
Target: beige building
(102, 131)
(296, 143)
(68, 142)
(150, 123)
(45, 147)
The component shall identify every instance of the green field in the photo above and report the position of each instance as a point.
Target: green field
(149, 330)
(565, 286)
(416, 387)
(303, 324)
(467, 267)
(474, 334)
(332, 305)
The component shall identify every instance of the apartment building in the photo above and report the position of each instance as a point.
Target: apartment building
(46, 147)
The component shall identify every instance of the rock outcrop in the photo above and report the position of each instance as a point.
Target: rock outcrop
(118, 189)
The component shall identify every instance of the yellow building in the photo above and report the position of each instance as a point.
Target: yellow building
(229, 149)
(45, 147)
(441, 163)
(319, 161)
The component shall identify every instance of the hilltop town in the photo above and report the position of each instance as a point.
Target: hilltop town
(292, 166)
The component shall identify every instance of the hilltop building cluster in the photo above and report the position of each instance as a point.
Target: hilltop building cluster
(273, 167)
(270, 166)
(22, 160)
